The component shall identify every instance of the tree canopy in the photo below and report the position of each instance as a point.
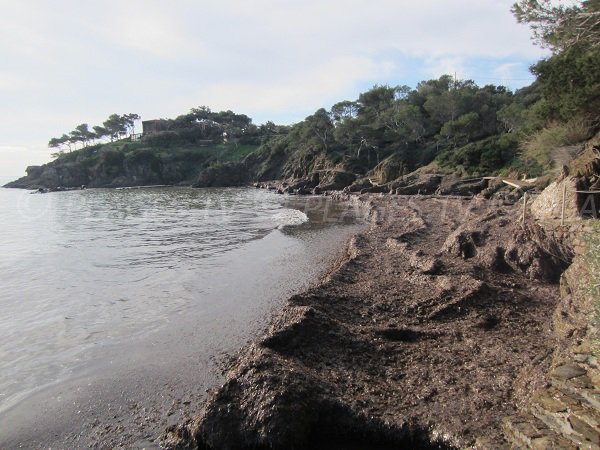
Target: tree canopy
(570, 78)
(114, 127)
(559, 26)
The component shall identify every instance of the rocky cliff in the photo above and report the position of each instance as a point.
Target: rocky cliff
(131, 164)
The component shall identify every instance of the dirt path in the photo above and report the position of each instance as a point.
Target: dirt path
(417, 338)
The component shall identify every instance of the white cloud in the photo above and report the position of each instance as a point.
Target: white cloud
(311, 88)
(431, 28)
(145, 26)
(16, 82)
(15, 159)
(453, 65)
(11, 148)
(71, 61)
(505, 72)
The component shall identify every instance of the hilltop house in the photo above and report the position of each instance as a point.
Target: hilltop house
(154, 126)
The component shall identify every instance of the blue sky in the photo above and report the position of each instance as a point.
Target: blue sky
(69, 62)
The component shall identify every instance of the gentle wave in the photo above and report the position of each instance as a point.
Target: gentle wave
(290, 217)
(84, 268)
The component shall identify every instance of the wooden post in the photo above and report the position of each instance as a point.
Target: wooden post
(524, 207)
(564, 197)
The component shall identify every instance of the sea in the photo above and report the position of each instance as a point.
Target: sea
(137, 284)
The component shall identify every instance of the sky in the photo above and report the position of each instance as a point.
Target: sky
(67, 62)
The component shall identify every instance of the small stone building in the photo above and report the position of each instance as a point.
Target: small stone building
(154, 126)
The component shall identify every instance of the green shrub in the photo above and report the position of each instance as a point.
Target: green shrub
(548, 147)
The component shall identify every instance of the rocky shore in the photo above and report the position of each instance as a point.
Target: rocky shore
(451, 323)
(422, 336)
(417, 183)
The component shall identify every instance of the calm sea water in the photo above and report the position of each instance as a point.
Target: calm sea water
(100, 268)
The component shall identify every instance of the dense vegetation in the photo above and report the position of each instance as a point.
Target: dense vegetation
(446, 124)
(114, 127)
(456, 123)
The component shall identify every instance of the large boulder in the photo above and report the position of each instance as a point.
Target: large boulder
(34, 171)
(334, 180)
(421, 184)
(459, 186)
(389, 169)
(358, 185)
(548, 205)
(52, 176)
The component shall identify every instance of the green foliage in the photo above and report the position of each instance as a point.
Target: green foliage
(547, 147)
(462, 130)
(488, 155)
(569, 80)
(571, 83)
(82, 134)
(413, 126)
(559, 26)
(114, 127)
(100, 132)
(453, 124)
(112, 157)
(512, 116)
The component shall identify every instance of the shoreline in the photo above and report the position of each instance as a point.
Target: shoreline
(412, 338)
(132, 398)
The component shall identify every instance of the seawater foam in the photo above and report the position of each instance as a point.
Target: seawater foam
(290, 217)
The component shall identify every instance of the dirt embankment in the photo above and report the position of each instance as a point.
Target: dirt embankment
(414, 340)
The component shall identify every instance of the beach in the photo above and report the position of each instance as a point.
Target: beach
(423, 335)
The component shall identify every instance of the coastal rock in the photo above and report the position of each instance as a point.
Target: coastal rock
(228, 174)
(334, 180)
(98, 166)
(567, 371)
(548, 205)
(466, 239)
(422, 184)
(540, 255)
(453, 186)
(501, 245)
(389, 169)
(358, 185)
(380, 189)
(463, 243)
(52, 176)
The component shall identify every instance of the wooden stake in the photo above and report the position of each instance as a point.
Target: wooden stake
(564, 196)
(524, 206)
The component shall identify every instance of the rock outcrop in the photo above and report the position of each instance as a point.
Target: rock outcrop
(563, 412)
(549, 204)
(100, 166)
(223, 175)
